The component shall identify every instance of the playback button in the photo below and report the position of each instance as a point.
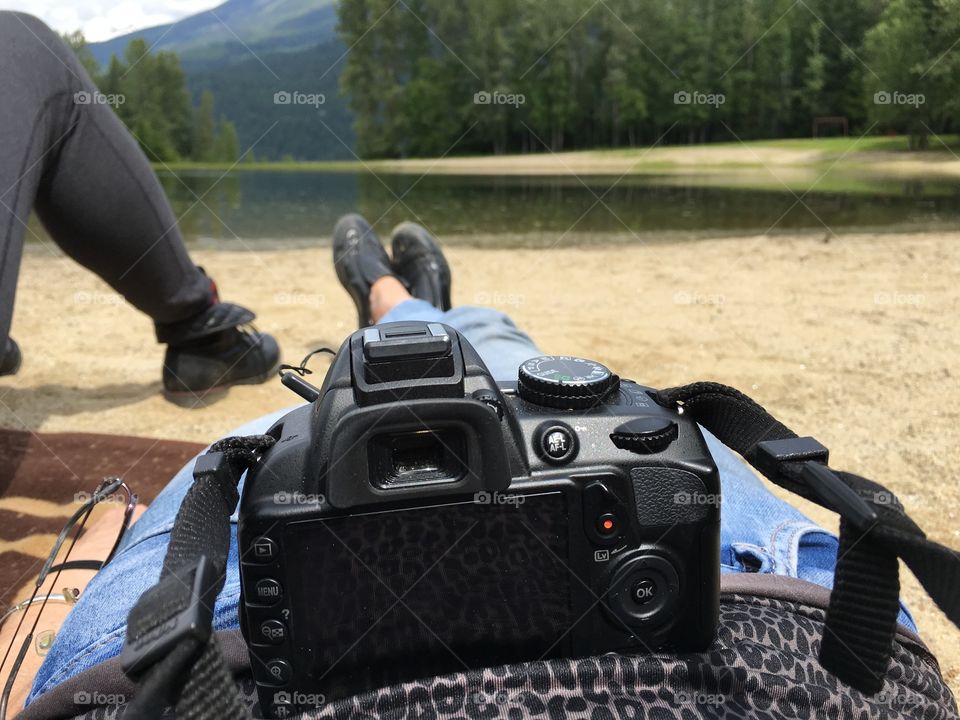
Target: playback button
(263, 549)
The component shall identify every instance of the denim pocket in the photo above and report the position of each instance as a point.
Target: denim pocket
(749, 558)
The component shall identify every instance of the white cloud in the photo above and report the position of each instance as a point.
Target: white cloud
(103, 19)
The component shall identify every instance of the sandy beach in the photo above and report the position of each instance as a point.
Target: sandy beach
(853, 340)
(800, 162)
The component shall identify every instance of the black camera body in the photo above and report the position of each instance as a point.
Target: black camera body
(418, 519)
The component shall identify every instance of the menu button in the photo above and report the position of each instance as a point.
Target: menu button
(268, 591)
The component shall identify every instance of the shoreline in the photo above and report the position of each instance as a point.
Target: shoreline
(544, 240)
(795, 161)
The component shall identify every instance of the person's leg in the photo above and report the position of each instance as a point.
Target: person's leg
(69, 156)
(91, 185)
(415, 285)
(94, 629)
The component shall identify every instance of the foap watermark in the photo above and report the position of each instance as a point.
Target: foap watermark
(696, 498)
(289, 700)
(98, 98)
(299, 299)
(898, 298)
(683, 297)
(486, 97)
(884, 497)
(499, 298)
(298, 498)
(85, 497)
(895, 97)
(501, 698)
(902, 701)
(695, 97)
(85, 297)
(498, 498)
(295, 97)
(96, 697)
(691, 697)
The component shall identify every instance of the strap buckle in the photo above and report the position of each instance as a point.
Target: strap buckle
(178, 608)
(772, 454)
(824, 484)
(213, 463)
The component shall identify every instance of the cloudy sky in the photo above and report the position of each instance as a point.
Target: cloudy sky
(103, 19)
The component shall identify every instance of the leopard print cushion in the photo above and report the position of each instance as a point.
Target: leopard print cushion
(762, 665)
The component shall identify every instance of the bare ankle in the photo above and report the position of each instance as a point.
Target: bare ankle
(385, 294)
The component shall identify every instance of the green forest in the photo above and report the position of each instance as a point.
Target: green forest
(148, 91)
(432, 77)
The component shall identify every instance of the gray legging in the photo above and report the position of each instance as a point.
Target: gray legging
(88, 180)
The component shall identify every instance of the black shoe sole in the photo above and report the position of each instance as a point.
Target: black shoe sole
(196, 399)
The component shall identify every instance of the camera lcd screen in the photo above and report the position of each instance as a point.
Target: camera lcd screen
(388, 597)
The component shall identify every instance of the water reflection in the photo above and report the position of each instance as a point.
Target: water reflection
(305, 205)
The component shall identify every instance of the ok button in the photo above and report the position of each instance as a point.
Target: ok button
(644, 590)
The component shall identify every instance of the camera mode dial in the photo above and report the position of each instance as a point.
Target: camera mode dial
(565, 382)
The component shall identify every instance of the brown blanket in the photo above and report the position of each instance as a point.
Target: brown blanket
(41, 475)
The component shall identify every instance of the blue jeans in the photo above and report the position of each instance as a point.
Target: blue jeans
(758, 532)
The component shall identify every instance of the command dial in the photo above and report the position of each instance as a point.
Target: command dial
(565, 382)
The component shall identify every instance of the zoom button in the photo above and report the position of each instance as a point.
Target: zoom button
(273, 632)
(278, 672)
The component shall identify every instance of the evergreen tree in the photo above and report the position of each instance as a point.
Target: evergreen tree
(227, 149)
(912, 82)
(610, 74)
(204, 131)
(150, 97)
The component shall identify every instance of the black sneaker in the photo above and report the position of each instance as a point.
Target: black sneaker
(419, 261)
(211, 352)
(360, 260)
(10, 358)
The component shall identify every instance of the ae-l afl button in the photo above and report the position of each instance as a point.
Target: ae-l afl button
(556, 443)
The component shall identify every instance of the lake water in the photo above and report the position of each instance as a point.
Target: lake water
(305, 205)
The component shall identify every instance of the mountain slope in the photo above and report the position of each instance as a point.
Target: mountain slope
(246, 51)
(244, 93)
(231, 31)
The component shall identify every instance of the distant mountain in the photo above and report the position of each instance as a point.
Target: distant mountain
(305, 128)
(234, 30)
(246, 51)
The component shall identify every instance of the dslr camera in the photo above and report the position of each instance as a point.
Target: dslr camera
(418, 518)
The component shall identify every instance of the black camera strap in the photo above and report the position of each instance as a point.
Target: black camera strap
(171, 653)
(170, 650)
(874, 531)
